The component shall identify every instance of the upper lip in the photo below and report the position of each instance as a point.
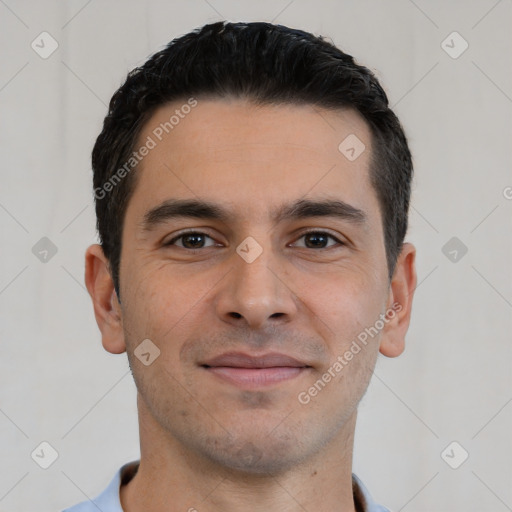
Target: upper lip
(241, 360)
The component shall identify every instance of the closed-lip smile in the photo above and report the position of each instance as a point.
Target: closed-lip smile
(254, 371)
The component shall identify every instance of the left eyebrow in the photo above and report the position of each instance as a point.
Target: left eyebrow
(301, 209)
(305, 208)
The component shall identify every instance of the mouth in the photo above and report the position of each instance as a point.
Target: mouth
(252, 372)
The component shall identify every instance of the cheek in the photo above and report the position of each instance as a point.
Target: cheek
(346, 304)
(147, 311)
(165, 307)
(350, 307)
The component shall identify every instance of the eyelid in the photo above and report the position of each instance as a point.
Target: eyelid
(323, 232)
(185, 232)
(188, 231)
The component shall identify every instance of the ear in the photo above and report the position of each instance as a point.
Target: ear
(104, 298)
(398, 311)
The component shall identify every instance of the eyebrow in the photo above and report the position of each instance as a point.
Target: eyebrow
(201, 209)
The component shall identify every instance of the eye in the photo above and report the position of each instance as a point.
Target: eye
(318, 240)
(197, 240)
(191, 240)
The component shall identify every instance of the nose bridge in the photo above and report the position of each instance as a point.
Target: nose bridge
(253, 290)
(254, 271)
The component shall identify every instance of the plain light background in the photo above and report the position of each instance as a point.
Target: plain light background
(453, 382)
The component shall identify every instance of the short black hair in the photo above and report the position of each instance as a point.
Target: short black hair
(266, 64)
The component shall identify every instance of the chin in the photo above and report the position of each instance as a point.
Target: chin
(257, 456)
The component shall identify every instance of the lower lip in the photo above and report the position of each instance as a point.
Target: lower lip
(256, 377)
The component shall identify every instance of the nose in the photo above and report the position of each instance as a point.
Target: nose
(256, 293)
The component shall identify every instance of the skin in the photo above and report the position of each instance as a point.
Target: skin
(207, 444)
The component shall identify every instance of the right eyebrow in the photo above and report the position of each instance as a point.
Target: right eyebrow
(184, 208)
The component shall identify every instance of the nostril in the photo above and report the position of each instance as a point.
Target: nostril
(235, 315)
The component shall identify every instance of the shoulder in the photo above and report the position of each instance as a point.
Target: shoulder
(108, 500)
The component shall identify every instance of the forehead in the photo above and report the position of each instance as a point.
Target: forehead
(253, 158)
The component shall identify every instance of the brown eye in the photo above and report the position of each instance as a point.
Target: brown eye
(318, 240)
(191, 240)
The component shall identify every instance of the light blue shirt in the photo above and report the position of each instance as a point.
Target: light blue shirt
(109, 501)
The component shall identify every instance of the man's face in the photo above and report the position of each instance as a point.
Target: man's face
(250, 310)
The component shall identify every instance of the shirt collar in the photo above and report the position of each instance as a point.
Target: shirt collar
(362, 498)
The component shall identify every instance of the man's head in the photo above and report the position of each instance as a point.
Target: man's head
(257, 242)
(269, 65)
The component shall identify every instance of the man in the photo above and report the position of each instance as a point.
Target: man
(252, 189)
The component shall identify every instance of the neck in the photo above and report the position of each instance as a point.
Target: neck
(173, 478)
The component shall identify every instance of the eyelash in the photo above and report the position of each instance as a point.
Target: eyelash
(318, 232)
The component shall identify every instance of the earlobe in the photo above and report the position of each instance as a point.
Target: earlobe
(399, 304)
(104, 298)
